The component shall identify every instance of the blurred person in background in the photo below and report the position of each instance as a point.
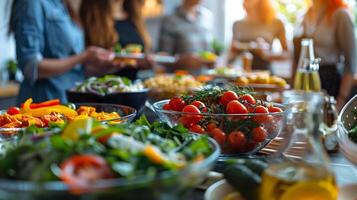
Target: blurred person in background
(110, 22)
(186, 33)
(50, 48)
(256, 33)
(329, 23)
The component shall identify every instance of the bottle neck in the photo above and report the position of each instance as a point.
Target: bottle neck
(307, 55)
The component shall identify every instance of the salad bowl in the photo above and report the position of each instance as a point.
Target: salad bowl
(109, 89)
(156, 182)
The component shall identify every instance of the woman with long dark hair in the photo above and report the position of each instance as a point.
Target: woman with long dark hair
(50, 48)
(108, 22)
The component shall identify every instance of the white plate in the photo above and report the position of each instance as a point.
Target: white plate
(219, 190)
(140, 56)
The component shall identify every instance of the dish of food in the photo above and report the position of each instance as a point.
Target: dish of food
(134, 52)
(262, 81)
(109, 89)
(208, 57)
(52, 112)
(109, 84)
(232, 116)
(127, 55)
(167, 86)
(108, 160)
(225, 72)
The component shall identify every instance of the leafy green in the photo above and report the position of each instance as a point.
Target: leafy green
(39, 158)
(210, 96)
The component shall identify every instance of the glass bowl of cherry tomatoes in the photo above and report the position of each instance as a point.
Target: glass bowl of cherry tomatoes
(241, 124)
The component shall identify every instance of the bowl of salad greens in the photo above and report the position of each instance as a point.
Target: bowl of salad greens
(89, 160)
(347, 130)
(109, 89)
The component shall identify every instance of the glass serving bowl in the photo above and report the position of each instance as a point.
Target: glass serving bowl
(272, 123)
(168, 185)
(127, 114)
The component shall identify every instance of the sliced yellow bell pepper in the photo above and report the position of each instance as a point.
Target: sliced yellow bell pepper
(39, 112)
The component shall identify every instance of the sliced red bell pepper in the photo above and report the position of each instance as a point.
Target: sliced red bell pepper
(53, 102)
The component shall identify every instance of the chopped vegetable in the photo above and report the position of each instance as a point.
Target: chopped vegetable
(50, 112)
(109, 84)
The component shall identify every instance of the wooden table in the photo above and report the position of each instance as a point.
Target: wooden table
(8, 94)
(9, 90)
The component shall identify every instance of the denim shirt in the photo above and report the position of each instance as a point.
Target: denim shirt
(44, 29)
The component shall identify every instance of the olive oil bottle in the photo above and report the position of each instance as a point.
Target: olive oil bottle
(307, 76)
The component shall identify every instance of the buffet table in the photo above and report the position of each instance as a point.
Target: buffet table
(8, 94)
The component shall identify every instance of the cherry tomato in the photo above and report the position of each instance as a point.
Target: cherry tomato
(237, 139)
(248, 98)
(211, 126)
(250, 146)
(81, 170)
(197, 129)
(200, 105)
(191, 118)
(167, 107)
(228, 97)
(274, 109)
(185, 121)
(177, 104)
(235, 107)
(262, 118)
(249, 107)
(191, 109)
(259, 134)
(13, 111)
(219, 136)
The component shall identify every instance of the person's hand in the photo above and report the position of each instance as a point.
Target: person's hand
(189, 61)
(147, 63)
(261, 48)
(98, 56)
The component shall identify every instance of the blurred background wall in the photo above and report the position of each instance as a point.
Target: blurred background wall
(7, 44)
